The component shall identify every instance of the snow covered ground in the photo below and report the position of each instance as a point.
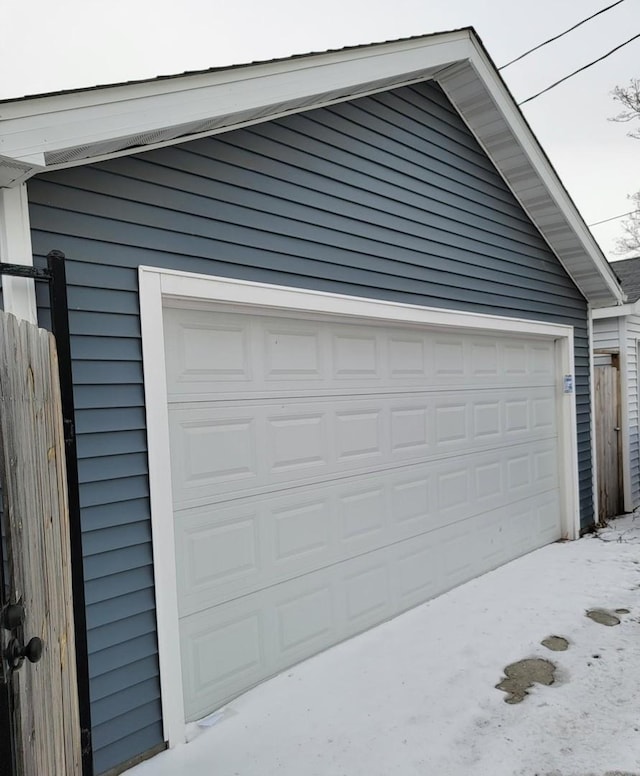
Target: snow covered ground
(417, 695)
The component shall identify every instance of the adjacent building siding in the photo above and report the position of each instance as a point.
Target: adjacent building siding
(622, 334)
(387, 197)
(606, 334)
(632, 344)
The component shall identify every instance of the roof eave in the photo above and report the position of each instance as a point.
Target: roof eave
(82, 125)
(86, 126)
(487, 107)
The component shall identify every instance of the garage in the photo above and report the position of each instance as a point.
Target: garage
(329, 473)
(330, 326)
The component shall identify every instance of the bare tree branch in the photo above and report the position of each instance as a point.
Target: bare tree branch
(629, 98)
(629, 242)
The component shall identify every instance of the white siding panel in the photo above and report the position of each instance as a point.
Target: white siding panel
(633, 340)
(606, 334)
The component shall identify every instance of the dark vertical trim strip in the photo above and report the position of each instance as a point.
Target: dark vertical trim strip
(60, 327)
(8, 758)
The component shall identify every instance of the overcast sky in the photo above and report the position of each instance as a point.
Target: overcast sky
(46, 46)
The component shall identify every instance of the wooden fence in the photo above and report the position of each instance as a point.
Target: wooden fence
(608, 442)
(45, 723)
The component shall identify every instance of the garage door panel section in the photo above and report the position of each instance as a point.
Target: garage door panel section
(235, 645)
(227, 354)
(328, 474)
(228, 550)
(226, 447)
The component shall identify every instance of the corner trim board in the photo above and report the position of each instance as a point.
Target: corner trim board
(624, 414)
(19, 294)
(592, 420)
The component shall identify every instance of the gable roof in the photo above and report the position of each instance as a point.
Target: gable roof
(628, 273)
(82, 126)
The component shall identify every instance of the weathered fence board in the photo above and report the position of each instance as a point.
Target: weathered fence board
(607, 412)
(32, 465)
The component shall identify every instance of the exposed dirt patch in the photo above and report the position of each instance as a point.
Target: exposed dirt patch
(603, 617)
(555, 643)
(524, 674)
(622, 611)
(608, 773)
(621, 773)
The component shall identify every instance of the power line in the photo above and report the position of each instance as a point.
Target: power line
(561, 34)
(613, 218)
(580, 69)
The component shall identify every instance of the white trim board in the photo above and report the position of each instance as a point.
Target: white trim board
(160, 287)
(624, 413)
(19, 294)
(616, 312)
(592, 421)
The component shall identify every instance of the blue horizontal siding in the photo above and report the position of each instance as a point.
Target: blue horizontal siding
(103, 324)
(105, 516)
(111, 443)
(113, 491)
(104, 540)
(313, 244)
(114, 657)
(126, 581)
(120, 727)
(388, 197)
(129, 746)
(105, 612)
(106, 468)
(94, 372)
(99, 396)
(139, 671)
(107, 564)
(108, 418)
(139, 693)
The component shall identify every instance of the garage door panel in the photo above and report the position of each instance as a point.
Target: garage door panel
(202, 349)
(220, 449)
(225, 551)
(226, 354)
(328, 474)
(277, 625)
(211, 449)
(222, 651)
(547, 520)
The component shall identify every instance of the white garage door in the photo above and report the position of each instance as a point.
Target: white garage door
(328, 475)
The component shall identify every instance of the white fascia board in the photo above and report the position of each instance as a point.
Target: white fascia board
(618, 311)
(55, 123)
(528, 146)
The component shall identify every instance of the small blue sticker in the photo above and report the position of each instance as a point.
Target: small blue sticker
(568, 383)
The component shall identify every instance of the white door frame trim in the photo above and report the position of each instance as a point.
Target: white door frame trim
(625, 439)
(159, 287)
(592, 424)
